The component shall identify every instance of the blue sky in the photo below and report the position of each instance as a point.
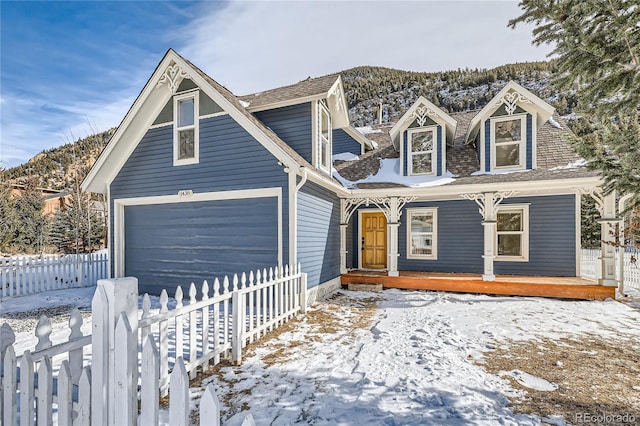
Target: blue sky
(68, 69)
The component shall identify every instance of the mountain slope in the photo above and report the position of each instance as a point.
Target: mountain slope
(365, 87)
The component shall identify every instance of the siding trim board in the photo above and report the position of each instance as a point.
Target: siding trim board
(120, 204)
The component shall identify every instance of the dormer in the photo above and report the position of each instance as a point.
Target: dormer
(505, 131)
(421, 137)
(304, 115)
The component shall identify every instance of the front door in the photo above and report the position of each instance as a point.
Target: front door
(374, 240)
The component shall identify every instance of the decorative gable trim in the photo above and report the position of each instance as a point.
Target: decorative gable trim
(511, 96)
(420, 111)
(148, 105)
(172, 77)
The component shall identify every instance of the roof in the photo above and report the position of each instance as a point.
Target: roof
(555, 157)
(305, 89)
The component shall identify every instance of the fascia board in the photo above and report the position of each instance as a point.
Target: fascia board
(103, 170)
(542, 187)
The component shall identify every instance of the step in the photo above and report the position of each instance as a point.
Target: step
(364, 287)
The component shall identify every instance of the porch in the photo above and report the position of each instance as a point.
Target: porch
(509, 285)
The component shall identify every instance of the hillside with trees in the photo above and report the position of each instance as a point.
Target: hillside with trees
(365, 87)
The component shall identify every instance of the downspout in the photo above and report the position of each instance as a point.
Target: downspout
(302, 171)
(621, 209)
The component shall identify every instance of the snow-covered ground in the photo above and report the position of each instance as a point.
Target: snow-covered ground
(396, 357)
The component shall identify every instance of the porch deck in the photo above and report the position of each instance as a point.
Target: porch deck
(510, 285)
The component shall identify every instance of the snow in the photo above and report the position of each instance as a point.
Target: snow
(579, 163)
(529, 381)
(554, 123)
(245, 104)
(418, 362)
(389, 172)
(499, 172)
(365, 130)
(345, 156)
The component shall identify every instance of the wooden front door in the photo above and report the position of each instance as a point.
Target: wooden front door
(374, 241)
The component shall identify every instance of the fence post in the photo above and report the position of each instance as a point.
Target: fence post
(236, 339)
(112, 297)
(303, 292)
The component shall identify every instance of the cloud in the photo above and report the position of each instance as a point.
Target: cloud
(253, 46)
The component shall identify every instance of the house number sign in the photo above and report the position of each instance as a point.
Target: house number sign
(185, 193)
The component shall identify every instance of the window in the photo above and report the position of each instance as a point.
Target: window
(509, 138)
(185, 133)
(421, 143)
(324, 148)
(422, 233)
(512, 238)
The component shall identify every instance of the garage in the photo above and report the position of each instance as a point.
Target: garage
(173, 244)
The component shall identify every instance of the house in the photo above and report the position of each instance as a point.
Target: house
(203, 183)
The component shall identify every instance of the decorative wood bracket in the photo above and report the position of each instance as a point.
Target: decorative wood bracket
(481, 199)
(421, 114)
(172, 76)
(350, 205)
(596, 194)
(510, 101)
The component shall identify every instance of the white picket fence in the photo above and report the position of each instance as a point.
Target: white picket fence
(22, 275)
(116, 375)
(590, 266)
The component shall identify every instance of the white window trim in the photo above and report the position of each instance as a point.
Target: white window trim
(434, 154)
(524, 242)
(434, 234)
(523, 141)
(321, 108)
(196, 127)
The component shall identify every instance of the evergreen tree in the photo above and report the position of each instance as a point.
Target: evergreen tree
(30, 234)
(7, 215)
(77, 228)
(597, 45)
(589, 223)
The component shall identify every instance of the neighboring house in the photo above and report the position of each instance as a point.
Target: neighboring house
(202, 183)
(54, 199)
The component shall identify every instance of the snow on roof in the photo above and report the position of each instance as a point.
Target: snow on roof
(366, 130)
(389, 172)
(554, 123)
(579, 163)
(345, 156)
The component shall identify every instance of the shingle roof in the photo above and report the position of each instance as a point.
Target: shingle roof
(554, 154)
(303, 89)
(234, 100)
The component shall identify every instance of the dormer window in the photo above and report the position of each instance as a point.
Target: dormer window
(185, 130)
(323, 145)
(421, 149)
(509, 141)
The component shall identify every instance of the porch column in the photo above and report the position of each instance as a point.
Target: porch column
(608, 237)
(344, 220)
(490, 225)
(343, 248)
(392, 236)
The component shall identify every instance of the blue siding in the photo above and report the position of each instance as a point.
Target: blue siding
(405, 156)
(529, 142)
(318, 233)
(343, 142)
(460, 239)
(176, 244)
(552, 238)
(230, 159)
(293, 125)
(487, 146)
(440, 152)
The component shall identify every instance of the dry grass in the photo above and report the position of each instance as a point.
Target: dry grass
(332, 318)
(595, 376)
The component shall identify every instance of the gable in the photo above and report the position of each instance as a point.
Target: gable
(152, 100)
